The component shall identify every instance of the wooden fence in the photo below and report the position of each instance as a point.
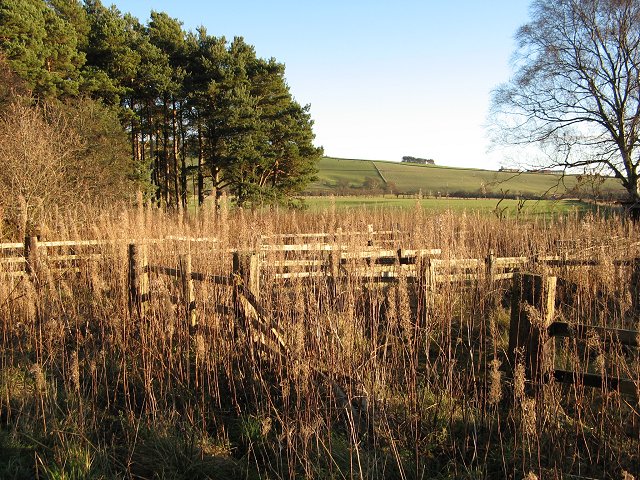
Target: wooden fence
(530, 340)
(533, 328)
(530, 334)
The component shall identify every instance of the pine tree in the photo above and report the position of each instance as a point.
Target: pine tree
(110, 55)
(41, 47)
(166, 34)
(275, 157)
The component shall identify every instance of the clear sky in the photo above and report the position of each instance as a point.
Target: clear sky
(384, 78)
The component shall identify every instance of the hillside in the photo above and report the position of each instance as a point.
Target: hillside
(347, 176)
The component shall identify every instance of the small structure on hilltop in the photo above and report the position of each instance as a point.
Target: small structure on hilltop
(419, 161)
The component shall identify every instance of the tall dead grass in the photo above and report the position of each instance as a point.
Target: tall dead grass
(378, 380)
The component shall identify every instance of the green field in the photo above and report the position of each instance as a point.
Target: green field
(342, 176)
(501, 208)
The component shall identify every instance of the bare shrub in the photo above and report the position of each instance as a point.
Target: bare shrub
(36, 155)
(59, 158)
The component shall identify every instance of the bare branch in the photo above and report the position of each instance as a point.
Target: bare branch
(577, 86)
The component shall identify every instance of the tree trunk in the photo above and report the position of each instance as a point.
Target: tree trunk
(216, 189)
(141, 149)
(135, 154)
(200, 161)
(165, 154)
(183, 157)
(174, 128)
(153, 156)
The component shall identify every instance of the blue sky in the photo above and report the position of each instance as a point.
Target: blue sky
(384, 78)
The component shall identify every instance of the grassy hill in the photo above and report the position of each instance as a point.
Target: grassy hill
(346, 176)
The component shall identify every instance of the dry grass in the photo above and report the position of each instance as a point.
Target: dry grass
(379, 381)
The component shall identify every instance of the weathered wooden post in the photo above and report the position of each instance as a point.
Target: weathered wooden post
(337, 237)
(31, 257)
(490, 272)
(247, 266)
(489, 264)
(634, 285)
(33, 269)
(332, 262)
(532, 311)
(429, 280)
(138, 279)
(430, 274)
(188, 291)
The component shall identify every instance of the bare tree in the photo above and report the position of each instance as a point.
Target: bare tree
(576, 88)
(34, 157)
(60, 157)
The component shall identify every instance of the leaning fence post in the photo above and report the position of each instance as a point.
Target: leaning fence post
(246, 269)
(188, 291)
(138, 279)
(532, 311)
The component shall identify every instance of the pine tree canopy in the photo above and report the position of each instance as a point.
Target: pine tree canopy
(203, 114)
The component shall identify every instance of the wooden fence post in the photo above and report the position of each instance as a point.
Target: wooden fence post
(429, 281)
(431, 274)
(138, 279)
(634, 285)
(490, 272)
(188, 291)
(490, 266)
(247, 267)
(532, 311)
(31, 256)
(370, 235)
(333, 258)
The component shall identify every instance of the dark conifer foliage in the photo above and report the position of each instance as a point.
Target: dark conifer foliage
(203, 114)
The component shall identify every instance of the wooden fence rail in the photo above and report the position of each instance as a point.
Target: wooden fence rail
(532, 330)
(318, 260)
(532, 326)
(378, 237)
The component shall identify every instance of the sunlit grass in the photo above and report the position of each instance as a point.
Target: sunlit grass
(394, 380)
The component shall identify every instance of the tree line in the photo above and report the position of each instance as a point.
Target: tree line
(201, 113)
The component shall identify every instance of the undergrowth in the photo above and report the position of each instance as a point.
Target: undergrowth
(388, 380)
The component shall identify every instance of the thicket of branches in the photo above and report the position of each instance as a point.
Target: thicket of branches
(57, 156)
